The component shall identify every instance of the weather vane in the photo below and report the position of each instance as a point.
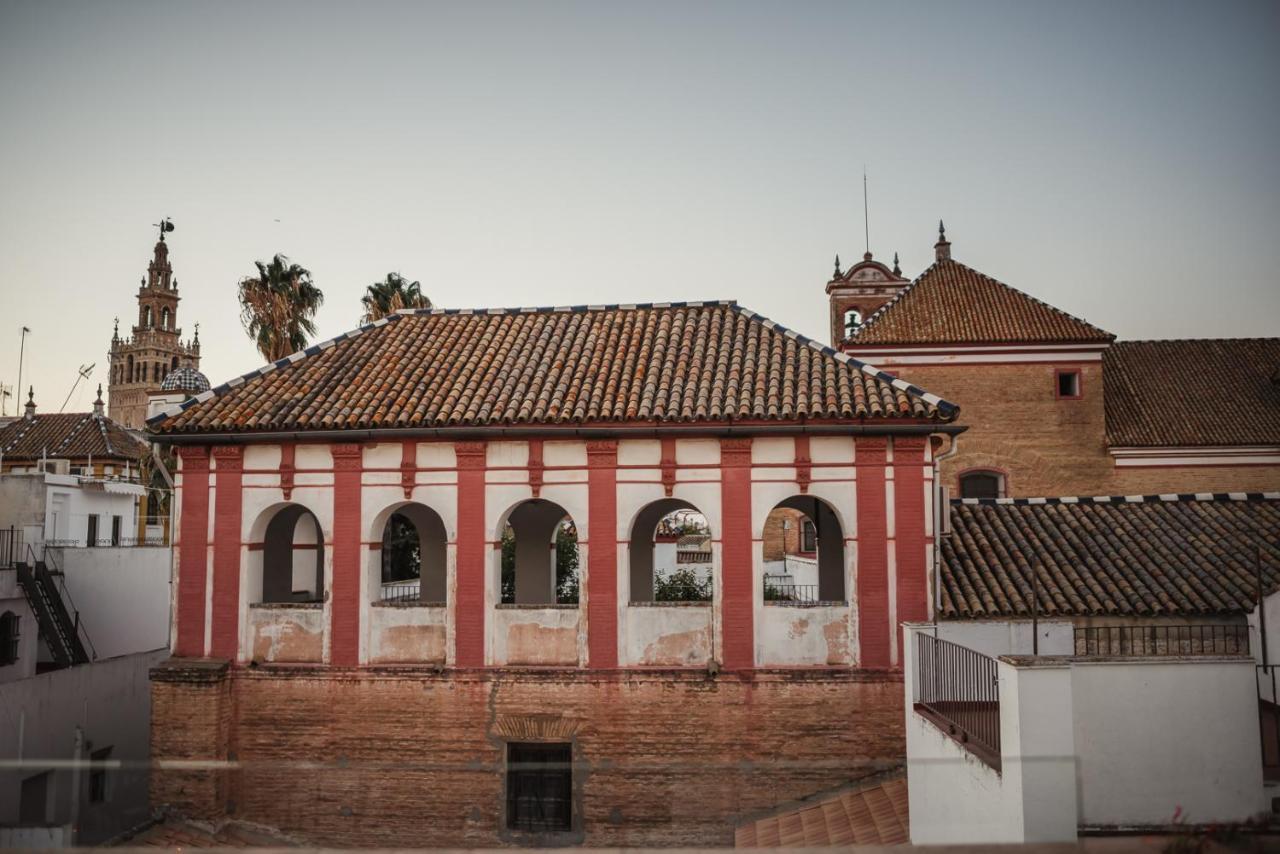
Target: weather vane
(164, 225)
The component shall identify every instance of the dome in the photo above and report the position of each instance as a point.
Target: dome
(185, 379)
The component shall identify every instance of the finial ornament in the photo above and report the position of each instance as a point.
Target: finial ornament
(897, 270)
(942, 231)
(837, 265)
(164, 225)
(942, 249)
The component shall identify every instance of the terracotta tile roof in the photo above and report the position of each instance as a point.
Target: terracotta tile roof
(681, 362)
(866, 814)
(1199, 392)
(1174, 555)
(69, 435)
(953, 304)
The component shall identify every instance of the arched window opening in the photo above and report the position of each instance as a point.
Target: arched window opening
(174, 365)
(129, 367)
(539, 555)
(414, 557)
(803, 554)
(852, 322)
(9, 637)
(982, 484)
(164, 318)
(146, 317)
(292, 557)
(670, 554)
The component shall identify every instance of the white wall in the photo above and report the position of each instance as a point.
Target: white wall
(1271, 606)
(111, 703)
(122, 594)
(1153, 735)
(1009, 637)
(14, 600)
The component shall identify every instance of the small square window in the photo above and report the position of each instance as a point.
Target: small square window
(1068, 384)
(540, 787)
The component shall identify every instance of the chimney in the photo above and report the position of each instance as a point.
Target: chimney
(97, 404)
(942, 249)
(30, 408)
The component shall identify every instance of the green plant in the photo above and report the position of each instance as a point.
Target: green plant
(683, 585)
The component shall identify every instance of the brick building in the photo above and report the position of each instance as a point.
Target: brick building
(338, 707)
(1057, 406)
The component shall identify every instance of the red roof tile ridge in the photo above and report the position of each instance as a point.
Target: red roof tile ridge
(1166, 497)
(947, 411)
(937, 266)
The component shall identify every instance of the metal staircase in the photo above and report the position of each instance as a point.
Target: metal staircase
(57, 618)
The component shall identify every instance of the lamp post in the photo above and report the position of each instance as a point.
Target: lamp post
(22, 349)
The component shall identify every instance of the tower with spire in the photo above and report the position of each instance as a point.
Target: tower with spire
(154, 349)
(857, 292)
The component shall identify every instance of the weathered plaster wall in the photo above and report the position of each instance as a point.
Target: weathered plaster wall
(668, 634)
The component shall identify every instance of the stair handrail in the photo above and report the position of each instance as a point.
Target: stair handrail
(81, 648)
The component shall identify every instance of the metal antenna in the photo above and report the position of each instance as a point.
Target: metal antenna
(866, 221)
(85, 370)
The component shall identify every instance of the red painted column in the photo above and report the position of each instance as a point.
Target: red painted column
(873, 553)
(737, 582)
(344, 631)
(602, 554)
(193, 547)
(469, 610)
(908, 527)
(229, 468)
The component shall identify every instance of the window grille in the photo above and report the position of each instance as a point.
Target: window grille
(539, 787)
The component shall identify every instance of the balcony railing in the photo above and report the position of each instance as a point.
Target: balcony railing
(1205, 639)
(402, 592)
(780, 590)
(959, 690)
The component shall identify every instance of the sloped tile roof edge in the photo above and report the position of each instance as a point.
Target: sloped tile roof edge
(878, 313)
(1122, 499)
(946, 409)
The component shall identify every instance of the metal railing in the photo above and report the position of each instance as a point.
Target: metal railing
(58, 579)
(1200, 639)
(959, 690)
(11, 548)
(778, 589)
(402, 591)
(692, 556)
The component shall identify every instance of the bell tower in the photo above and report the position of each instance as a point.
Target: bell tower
(155, 348)
(856, 293)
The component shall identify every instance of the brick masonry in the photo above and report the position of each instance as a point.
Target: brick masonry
(781, 539)
(413, 758)
(193, 557)
(737, 583)
(1046, 446)
(225, 616)
(873, 553)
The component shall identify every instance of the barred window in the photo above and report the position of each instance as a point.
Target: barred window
(539, 787)
(9, 636)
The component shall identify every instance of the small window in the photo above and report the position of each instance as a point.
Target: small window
(91, 535)
(808, 537)
(1068, 384)
(539, 787)
(852, 322)
(10, 634)
(116, 524)
(99, 783)
(981, 484)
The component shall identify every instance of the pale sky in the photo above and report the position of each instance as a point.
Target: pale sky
(1117, 159)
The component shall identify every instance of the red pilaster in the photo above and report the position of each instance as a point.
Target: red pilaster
(344, 634)
(193, 545)
(602, 554)
(469, 611)
(229, 467)
(909, 539)
(736, 609)
(873, 553)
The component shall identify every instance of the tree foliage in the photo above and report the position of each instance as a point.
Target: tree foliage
(682, 585)
(278, 307)
(390, 295)
(567, 586)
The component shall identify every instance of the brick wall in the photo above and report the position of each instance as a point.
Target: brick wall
(190, 723)
(780, 540)
(387, 758)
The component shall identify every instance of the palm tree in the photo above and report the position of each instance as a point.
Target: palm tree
(391, 295)
(277, 307)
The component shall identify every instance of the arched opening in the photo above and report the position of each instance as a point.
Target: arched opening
(803, 553)
(539, 555)
(851, 322)
(164, 318)
(174, 365)
(670, 553)
(146, 317)
(414, 557)
(129, 367)
(981, 484)
(292, 557)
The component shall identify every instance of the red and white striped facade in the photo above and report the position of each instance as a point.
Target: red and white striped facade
(880, 487)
